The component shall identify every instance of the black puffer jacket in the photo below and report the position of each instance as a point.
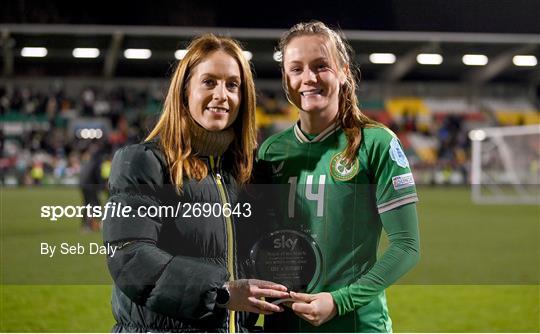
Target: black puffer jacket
(167, 270)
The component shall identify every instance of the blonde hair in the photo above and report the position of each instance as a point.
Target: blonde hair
(172, 128)
(349, 116)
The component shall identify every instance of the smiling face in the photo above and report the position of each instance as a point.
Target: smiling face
(214, 91)
(312, 76)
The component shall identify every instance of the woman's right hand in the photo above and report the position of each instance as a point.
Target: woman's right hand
(246, 294)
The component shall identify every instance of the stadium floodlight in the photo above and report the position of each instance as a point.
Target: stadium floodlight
(477, 135)
(37, 52)
(85, 52)
(382, 58)
(277, 56)
(505, 165)
(84, 134)
(248, 55)
(474, 60)
(90, 133)
(137, 53)
(429, 59)
(524, 60)
(180, 54)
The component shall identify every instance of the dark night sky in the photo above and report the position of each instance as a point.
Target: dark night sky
(504, 16)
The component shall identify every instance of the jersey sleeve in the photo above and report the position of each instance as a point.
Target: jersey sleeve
(392, 176)
(401, 226)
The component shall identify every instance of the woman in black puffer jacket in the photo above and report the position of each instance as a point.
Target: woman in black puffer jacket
(182, 273)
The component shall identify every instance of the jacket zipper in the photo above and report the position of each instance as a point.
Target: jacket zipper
(230, 236)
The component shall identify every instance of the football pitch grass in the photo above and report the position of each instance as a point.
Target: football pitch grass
(479, 269)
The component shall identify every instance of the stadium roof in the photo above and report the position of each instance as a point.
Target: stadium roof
(111, 41)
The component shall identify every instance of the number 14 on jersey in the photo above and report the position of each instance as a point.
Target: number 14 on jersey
(317, 196)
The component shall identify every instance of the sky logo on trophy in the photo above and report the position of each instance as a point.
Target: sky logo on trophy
(289, 243)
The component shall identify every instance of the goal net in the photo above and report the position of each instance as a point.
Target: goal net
(505, 166)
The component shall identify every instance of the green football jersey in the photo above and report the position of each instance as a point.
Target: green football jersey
(338, 205)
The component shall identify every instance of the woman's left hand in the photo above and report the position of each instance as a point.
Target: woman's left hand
(315, 309)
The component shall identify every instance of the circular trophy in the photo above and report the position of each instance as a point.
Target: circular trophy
(288, 257)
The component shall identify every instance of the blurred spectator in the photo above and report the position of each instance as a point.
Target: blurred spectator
(92, 181)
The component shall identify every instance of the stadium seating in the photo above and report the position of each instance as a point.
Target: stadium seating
(47, 131)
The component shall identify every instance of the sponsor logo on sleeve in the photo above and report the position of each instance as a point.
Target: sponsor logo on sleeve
(403, 181)
(397, 154)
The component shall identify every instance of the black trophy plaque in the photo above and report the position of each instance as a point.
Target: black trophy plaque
(288, 257)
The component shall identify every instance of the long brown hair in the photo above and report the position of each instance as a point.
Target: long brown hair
(349, 116)
(172, 128)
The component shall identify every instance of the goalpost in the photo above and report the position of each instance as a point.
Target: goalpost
(505, 166)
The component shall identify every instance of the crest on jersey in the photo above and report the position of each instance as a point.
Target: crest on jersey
(340, 170)
(397, 154)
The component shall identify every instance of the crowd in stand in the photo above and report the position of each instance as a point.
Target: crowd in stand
(449, 147)
(40, 145)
